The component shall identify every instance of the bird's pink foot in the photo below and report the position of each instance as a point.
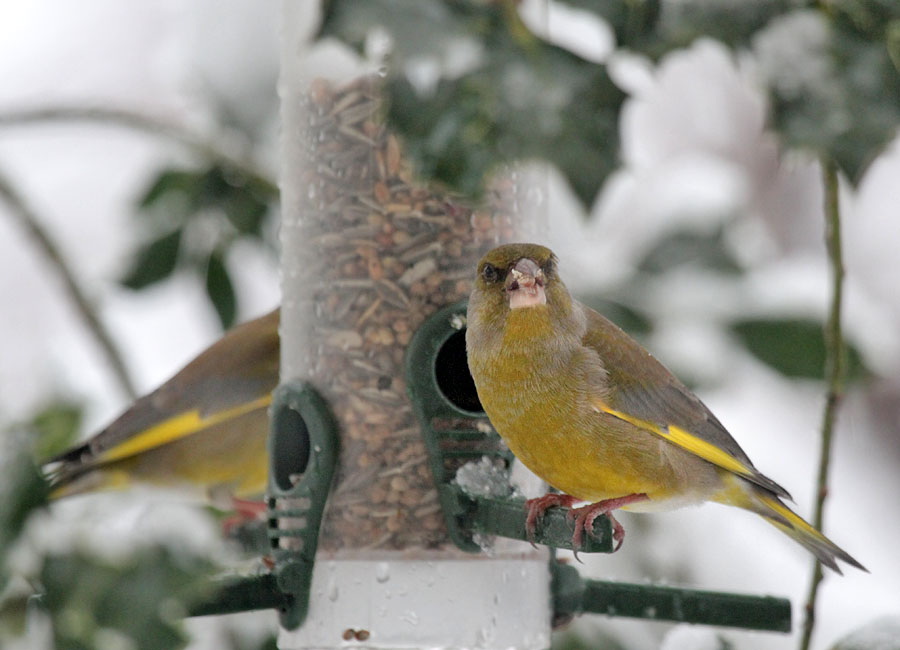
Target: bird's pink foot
(584, 518)
(537, 507)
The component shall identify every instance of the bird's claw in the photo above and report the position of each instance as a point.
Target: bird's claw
(584, 516)
(584, 519)
(537, 507)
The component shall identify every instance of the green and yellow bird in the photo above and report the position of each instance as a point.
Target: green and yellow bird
(595, 415)
(205, 428)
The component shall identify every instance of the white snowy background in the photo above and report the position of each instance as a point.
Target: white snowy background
(695, 151)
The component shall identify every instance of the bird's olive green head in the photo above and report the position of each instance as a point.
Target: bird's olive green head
(519, 276)
(519, 307)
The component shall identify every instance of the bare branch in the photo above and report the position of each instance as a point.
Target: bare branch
(139, 122)
(33, 229)
(834, 375)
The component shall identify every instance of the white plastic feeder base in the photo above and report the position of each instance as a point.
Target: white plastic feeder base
(427, 603)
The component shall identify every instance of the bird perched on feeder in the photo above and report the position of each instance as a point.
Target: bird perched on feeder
(591, 412)
(205, 428)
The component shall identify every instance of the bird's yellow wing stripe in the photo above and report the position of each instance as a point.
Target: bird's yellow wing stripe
(684, 439)
(796, 521)
(177, 427)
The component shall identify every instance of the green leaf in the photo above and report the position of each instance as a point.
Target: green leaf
(23, 488)
(245, 211)
(793, 347)
(167, 183)
(243, 201)
(206, 207)
(685, 247)
(211, 189)
(140, 598)
(220, 290)
(56, 426)
(154, 262)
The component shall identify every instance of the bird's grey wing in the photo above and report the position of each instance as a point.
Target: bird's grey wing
(233, 376)
(641, 391)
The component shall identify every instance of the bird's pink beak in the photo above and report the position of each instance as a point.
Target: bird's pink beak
(525, 285)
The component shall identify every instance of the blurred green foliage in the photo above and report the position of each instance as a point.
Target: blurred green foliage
(54, 427)
(220, 289)
(794, 347)
(24, 491)
(141, 598)
(520, 97)
(192, 217)
(23, 487)
(844, 101)
(654, 28)
(704, 250)
(155, 261)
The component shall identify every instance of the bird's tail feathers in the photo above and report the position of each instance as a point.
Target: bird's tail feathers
(773, 510)
(73, 473)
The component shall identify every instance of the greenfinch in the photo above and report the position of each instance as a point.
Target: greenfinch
(591, 412)
(205, 428)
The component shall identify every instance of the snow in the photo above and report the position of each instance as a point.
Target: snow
(881, 634)
(483, 478)
(684, 637)
(791, 52)
(577, 30)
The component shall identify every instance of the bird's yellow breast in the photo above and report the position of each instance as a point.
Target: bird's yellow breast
(537, 398)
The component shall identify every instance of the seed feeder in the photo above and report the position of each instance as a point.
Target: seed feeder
(304, 446)
(386, 478)
(370, 254)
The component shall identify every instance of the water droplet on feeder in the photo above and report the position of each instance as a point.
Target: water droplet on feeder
(410, 617)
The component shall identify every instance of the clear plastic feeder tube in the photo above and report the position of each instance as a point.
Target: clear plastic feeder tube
(368, 253)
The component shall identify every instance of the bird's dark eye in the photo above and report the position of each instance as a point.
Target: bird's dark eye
(490, 273)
